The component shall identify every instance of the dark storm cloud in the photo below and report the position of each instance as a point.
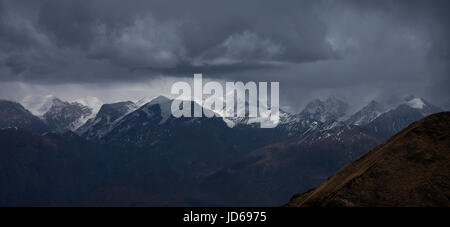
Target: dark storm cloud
(69, 23)
(312, 47)
(172, 36)
(188, 69)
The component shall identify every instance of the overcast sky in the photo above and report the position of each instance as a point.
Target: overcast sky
(117, 50)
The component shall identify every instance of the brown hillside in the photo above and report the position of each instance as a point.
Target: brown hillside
(411, 169)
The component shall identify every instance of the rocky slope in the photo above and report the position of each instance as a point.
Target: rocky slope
(107, 116)
(13, 114)
(63, 116)
(410, 169)
(366, 114)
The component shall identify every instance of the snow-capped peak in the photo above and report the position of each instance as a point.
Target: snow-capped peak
(38, 104)
(421, 105)
(92, 102)
(142, 101)
(64, 115)
(159, 100)
(416, 103)
(366, 114)
(330, 109)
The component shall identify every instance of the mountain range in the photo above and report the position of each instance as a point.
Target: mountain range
(127, 150)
